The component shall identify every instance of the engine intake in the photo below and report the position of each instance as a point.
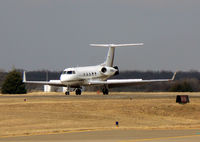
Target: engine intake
(103, 70)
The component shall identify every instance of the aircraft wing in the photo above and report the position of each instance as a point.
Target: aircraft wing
(51, 82)
(54, 83)
(126, 82)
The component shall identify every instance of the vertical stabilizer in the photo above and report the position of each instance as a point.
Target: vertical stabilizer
(110, 57)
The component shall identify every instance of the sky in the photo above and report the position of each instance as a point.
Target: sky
(55, 34)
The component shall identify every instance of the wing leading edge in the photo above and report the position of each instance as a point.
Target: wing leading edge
(126, 82)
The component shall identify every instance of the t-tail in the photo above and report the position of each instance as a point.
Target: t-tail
(111, 52)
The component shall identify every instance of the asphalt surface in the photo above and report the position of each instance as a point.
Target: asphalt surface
(191, 135)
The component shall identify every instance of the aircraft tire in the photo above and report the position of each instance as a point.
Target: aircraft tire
(78, 91)
(105, 91)
(67, 93)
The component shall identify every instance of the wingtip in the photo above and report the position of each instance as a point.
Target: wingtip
(173, 77)
(24, 76)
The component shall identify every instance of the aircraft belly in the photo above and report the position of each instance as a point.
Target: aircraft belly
(73, 83)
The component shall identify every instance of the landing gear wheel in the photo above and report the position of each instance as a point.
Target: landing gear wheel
(78, 91)
(67, 93)
(105, 91)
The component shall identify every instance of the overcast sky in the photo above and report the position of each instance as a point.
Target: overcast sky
(55, 34)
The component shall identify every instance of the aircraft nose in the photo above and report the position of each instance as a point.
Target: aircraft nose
(63, 78)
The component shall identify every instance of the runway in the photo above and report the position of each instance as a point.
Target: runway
(192, 135)
(112, 95)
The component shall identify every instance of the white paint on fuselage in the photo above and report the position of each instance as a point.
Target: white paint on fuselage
(80, 75)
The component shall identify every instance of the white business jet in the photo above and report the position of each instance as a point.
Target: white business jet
(78, 77)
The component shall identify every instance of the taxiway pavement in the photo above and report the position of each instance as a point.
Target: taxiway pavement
(121, 135)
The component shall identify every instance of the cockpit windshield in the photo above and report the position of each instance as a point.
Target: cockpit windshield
(64, 72)
(69, 72)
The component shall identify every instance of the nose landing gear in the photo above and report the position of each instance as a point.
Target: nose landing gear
(78, 91)
(67, 91)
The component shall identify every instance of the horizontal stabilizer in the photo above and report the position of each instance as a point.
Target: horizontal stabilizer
(110, 56)
(116, 45)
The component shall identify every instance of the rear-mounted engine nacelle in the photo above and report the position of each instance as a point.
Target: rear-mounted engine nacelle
(117, 72)
(108, 70)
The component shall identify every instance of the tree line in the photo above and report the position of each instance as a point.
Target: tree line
(184, 82)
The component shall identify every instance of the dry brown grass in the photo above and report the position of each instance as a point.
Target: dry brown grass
(41, 115)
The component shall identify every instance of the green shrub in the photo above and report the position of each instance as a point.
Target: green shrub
(13, 84)
(181, 87)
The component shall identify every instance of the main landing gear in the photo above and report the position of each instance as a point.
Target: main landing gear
(78, 91)
(105, 91)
